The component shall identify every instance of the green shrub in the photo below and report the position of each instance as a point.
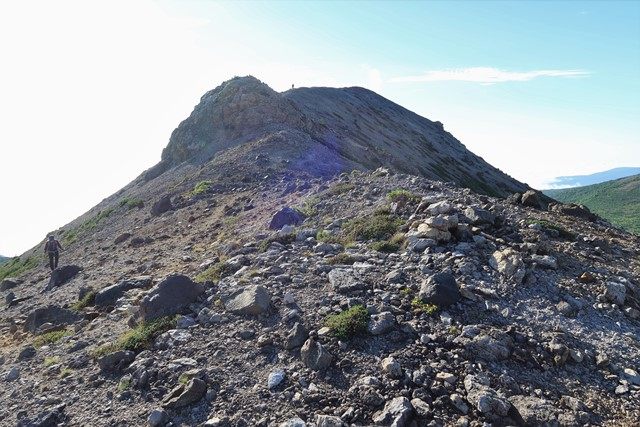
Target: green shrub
(51, 337)
(342, 259)
(372, 227)
(341, 188)
(422, 307)
(50, 361)
(349, 323)
(140, 338)
(201, 188)
(17, 266)
(327, 237)
(402, 195)
(124, 384)
(214, 273)
(385, 246)
(65, 372)
(87, 300)
(309, 206)
(131, 203)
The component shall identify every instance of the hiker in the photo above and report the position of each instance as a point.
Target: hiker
(51, 248)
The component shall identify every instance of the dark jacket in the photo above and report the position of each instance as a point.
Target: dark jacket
(52, 246)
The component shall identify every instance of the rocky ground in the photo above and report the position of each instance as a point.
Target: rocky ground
(465, 310)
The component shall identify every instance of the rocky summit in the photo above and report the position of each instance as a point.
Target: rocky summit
(323, 257)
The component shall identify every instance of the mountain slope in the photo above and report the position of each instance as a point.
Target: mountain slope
(595, 178)
(322, 132)
(3, 259)
(203, 289)
(617, 201)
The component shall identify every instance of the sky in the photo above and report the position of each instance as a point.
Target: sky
(90, 91)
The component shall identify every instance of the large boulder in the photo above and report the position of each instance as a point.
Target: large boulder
(479, 216)
(53, 314)
(532, 199)
(9, 283)
(109, 295)
(186, 394)
(169, 297)
(62, 275)
(162, 205)
(509, 263)
(535, 411)
(116, 361)
(314, 355)
(286, 216)
(251, 300)
(440, 289)
(344, 281)
(396, 412)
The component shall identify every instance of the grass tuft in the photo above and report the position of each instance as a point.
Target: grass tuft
(400, 195)
(342, 258)
(372, 227)
(86, 301)
(349, 323)
(51, 337)
(201, 188)
(139, 338)
(131, 203)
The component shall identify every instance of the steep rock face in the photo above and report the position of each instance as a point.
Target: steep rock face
(322, 132)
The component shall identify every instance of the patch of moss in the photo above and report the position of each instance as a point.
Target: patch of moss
(51, 337)
(139, 338)
(17, 266)
(349, 323)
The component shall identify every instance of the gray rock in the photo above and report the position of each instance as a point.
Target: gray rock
(157, 418)
(397, 412)
(314, 355)
(484, 398)
(440, 289)
(532, 199)
(395, 276)
(293, 422)
(535, 411)
(344, 281)
(162, 205)
(275, 378)
(52, 314)
(12, 375)
(9, 283)
(27, 352)
(329, 421)
(509, 263)
(296, 336)
(615, 292)
(545, 261)
(116, 361)
(185, 394)
(252, 300)
(169, 297)
(421, 407)
(109, 295)
(487, 348)
(391, 367)
(286, 216)
(62, 275)
(479, 216)
(9, 298)
(381, 323)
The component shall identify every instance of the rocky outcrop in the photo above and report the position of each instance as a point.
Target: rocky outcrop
(169, 297)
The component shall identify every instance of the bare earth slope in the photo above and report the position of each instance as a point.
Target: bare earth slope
(467, 309)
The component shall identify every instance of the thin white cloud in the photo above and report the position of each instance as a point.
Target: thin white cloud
(486, 75)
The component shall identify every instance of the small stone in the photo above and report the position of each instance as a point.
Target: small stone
(314, 355)
(391, 367)
(275, 379)
(615, 292)
(12, 375)
(381, 323)
(458, 402)
(157, 418)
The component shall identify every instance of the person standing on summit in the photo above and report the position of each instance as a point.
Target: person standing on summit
(52, 248)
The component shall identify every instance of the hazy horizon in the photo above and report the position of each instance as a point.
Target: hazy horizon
(92, 91)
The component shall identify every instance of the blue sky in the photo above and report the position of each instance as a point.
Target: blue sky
(94, 89)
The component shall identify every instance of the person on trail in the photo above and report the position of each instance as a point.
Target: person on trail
(52, 248)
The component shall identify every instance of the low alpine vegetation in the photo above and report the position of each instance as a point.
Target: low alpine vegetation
(214, 273)
(51, 337)
(201, 188)
(400, 195)
(140, 338)
(17, 266)
(86, 301)
(131, 203)
(377, 226)
(349, 323)
(420, 306)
